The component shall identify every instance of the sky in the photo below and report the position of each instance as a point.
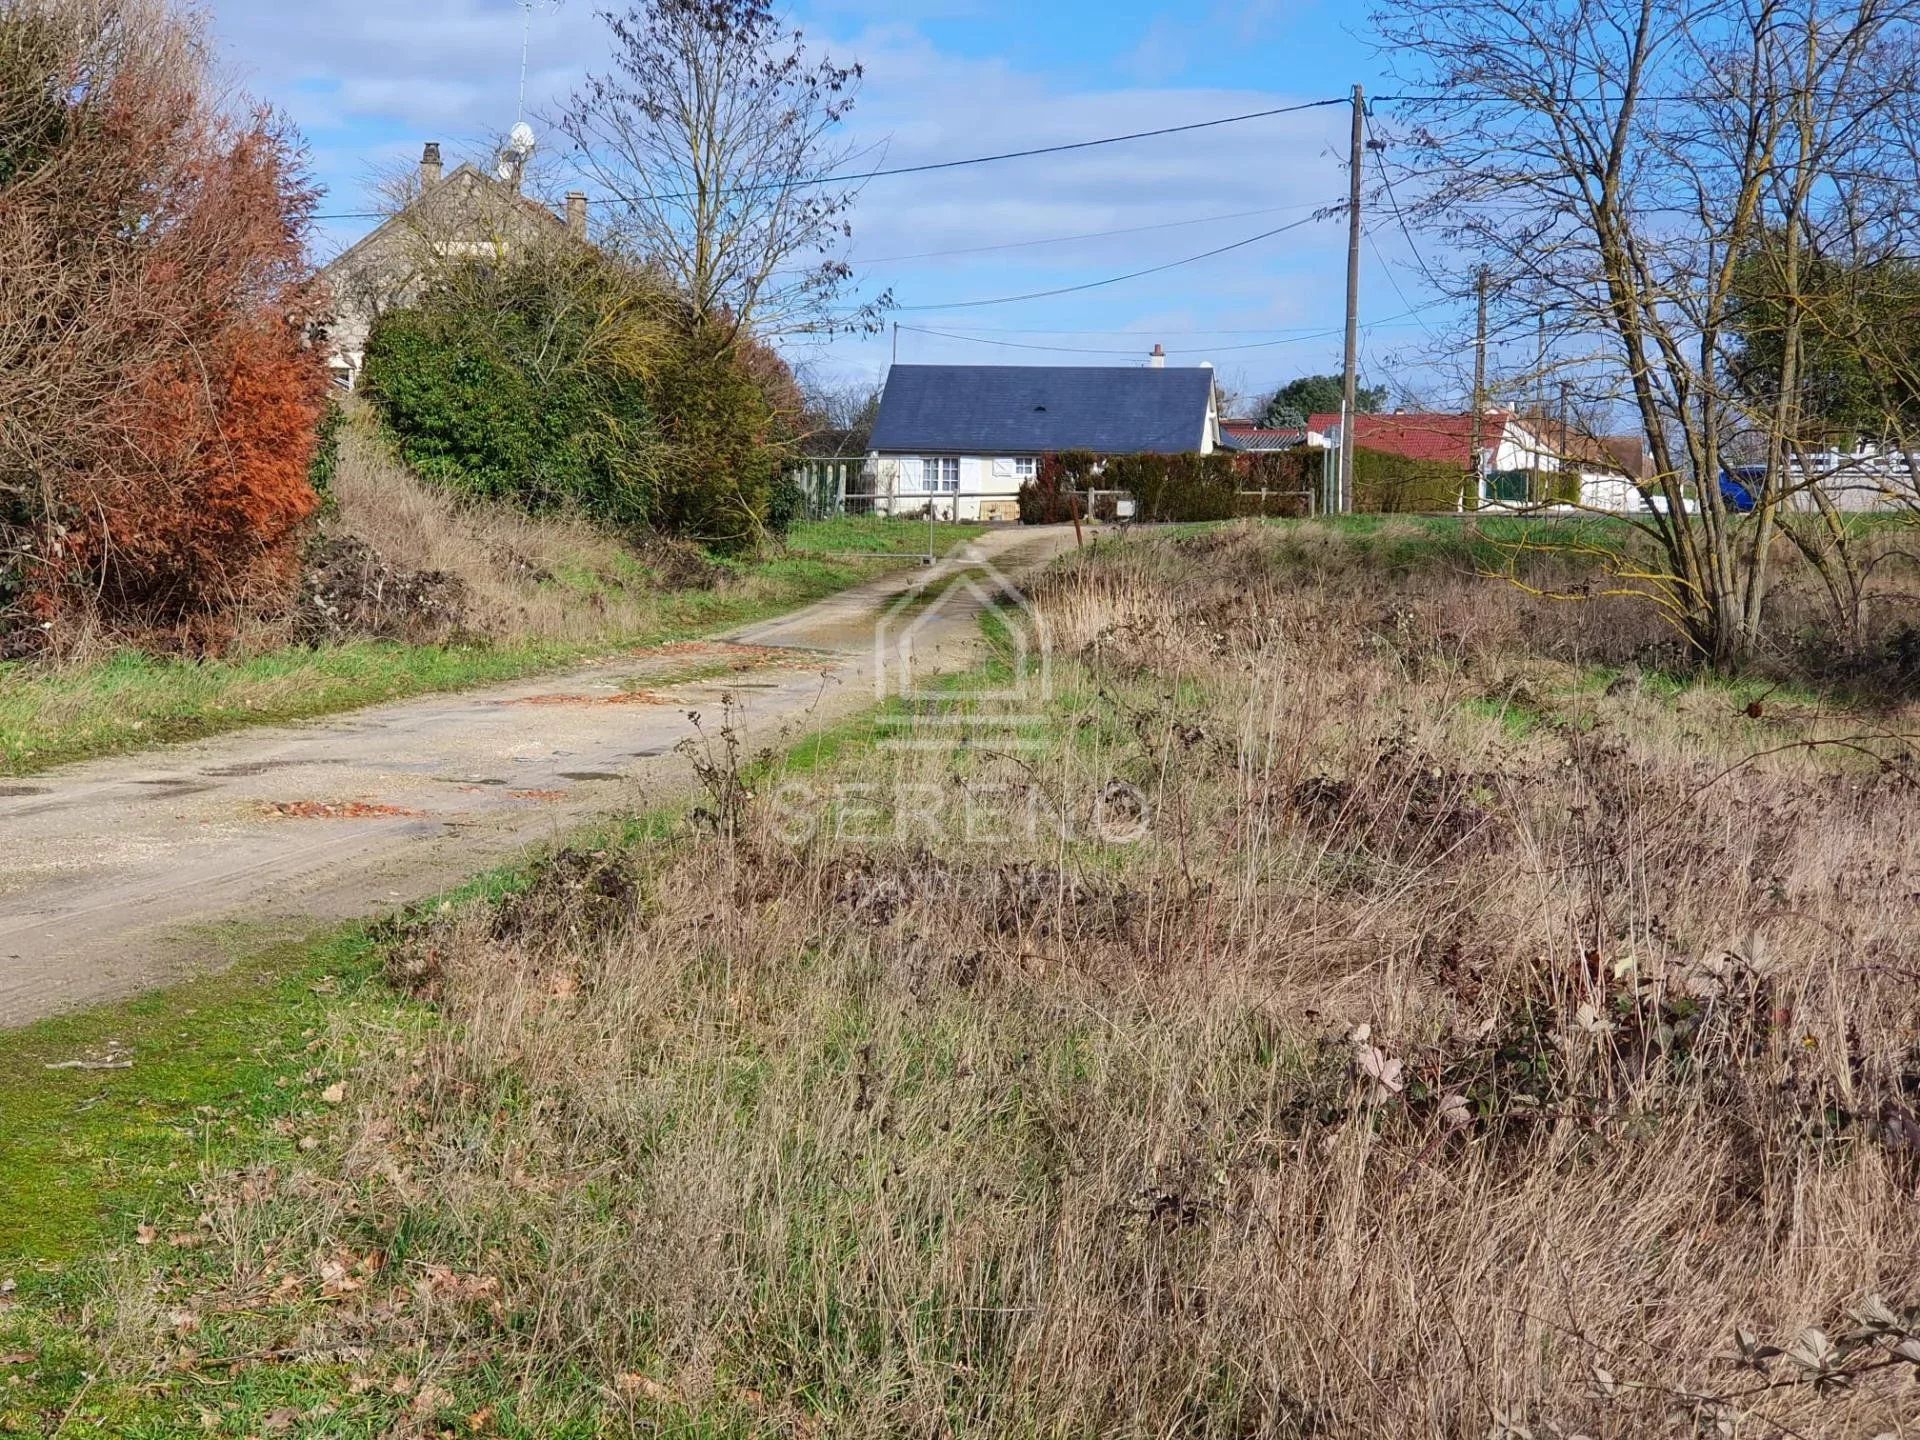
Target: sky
(368, 81)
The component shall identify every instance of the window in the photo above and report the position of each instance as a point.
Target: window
(940, 473)
(1025, 467)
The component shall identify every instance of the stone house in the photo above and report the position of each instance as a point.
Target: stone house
(463, 213)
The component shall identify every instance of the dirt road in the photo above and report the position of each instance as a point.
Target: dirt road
(122, 874)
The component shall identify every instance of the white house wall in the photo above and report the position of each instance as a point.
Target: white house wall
(988, 486)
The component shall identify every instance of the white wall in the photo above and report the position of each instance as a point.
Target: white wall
(984, 480)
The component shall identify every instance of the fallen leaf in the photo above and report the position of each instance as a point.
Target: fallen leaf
(144, 1235)
(334, 1093)
(19, 1357)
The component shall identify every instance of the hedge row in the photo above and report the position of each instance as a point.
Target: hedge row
(1394, 485)
(1226, 484)
(1174, 487)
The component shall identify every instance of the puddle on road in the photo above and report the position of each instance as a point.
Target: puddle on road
(591, 775)
(249, 768)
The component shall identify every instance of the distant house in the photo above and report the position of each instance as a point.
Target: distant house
(1513, 447)
(975, 433)
(462, 214)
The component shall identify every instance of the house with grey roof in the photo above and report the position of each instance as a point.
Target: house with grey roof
(964, 438)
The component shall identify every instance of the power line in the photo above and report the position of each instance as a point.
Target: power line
(934, 165)
(1130, 275)
(1393, 203)
(1393, 279)
(1087, 235)
(1292, 339)
(1157, 333)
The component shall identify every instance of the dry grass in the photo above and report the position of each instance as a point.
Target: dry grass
(1416, 1075)
(522, 577)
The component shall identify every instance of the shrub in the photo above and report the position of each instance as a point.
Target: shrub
(786, 502)
(721, 446)
(326, 452)
(158, 406)
(1047, 499)
(526, 383)
(1173, 487)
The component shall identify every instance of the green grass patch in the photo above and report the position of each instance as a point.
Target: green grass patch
(90, 1152)
(884, 534)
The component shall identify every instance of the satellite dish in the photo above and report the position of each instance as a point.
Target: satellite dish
(515, 154)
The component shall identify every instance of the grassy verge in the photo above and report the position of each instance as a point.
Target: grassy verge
(53, 715)
(878, 533)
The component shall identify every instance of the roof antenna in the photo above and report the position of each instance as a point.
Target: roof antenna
(526, 43)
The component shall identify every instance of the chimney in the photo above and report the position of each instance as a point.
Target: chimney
(1158, 360)
(430, 169)
(577, 214)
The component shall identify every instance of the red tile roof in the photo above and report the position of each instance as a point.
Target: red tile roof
(1421, 436)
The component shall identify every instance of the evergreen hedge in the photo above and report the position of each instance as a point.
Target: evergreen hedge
(490, 389)
(1174, 487)
(1395, 485)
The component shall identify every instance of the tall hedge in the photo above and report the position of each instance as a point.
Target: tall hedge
(158, 402)
(722, 450)
(1393, 484)
(503, 384)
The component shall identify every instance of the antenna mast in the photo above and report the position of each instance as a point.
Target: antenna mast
(526, 43)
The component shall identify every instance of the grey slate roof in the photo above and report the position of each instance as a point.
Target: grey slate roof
(1258, 437)
(1032, 409)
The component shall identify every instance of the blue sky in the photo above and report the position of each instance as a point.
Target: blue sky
(369, 81)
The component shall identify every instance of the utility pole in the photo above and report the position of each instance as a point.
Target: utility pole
(1540, 392)
(1477, 459)
(1350, 381)
(896, 342)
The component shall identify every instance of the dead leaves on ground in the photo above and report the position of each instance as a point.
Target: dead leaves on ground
(341, 810)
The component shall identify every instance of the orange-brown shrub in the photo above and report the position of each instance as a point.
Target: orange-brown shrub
(161, 398)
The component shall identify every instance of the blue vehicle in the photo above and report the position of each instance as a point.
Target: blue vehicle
(1739, 485)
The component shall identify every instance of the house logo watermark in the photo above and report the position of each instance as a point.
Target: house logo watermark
(964, 596)
(936, 695)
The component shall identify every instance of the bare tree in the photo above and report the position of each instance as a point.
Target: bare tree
(1618, 165)
(715, 140)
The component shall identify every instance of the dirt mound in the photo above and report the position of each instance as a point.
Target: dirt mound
(679, 564)
(350, 592)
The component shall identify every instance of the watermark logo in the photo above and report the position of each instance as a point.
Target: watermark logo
(937, 696)
(964, 594)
